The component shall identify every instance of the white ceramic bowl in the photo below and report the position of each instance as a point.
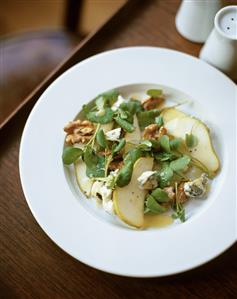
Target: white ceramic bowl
(71, 221)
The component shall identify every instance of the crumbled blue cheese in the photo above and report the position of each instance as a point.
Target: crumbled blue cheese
(95, 190)
(197, 187)
(147, 180)
(103, 195)
(119, 101)
(113, 135)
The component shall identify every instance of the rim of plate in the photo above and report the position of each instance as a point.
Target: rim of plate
(97, 243)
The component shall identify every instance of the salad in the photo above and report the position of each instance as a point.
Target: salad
(140, 157)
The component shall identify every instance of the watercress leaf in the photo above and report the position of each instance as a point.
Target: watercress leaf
(154, 93)
(125, 115)
(175, 143)
(118, 147)
(163, 156)
(100, 138)
(191, 140)
(89, 156)
(133, 155)
(71, 154)
(124, 124)
(125, 174)
(165, 175)
(159, 121)
(160, 195)
(165, 143)
(145, 118)
(154, 206)
(132, 106)
(96, 117)
(145, 145)
(180, 163)
(95, 165)
(179, 214)
(88, 107)
(100, 103)
(110, 97)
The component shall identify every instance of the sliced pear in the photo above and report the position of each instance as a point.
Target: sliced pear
(129, 200)
(171, 113)
(134, 137)
(204, 151)
(107, 127)
(83, 181)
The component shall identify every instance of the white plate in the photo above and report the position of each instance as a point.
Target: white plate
(86, 233)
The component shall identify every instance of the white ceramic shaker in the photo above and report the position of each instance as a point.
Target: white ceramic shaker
(194, 19)
(220, 49)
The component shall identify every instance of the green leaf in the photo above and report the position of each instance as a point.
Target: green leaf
(145, 118)
(154, 93)
(132, 106)
(154, 206)
(110, 97)
(133, 155)
(180, 163)
(118, 147)
(155, 144)
(145, 145)
(163, 156)
(125, 115)
(160, 195)
(105, 118)
(88, 107)
(165, 175)
(180, 214)
(175, 143)
(71, 154)
(95, 165)
(100, 103)
(124, 124)
(165, 143)
(159, 121)
(125, 174)
(191, 140)
(100, 138)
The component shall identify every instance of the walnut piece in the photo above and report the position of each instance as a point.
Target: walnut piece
(116, 164)
(153, 132)
(170, 192)
(79, 131)
(150, 132)
(152, 103)
(162, 132)
(182, 197)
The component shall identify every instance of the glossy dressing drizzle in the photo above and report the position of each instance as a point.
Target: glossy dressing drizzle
(154, 220)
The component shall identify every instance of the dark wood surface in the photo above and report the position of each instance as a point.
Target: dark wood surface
(31, 265)
(25, 60)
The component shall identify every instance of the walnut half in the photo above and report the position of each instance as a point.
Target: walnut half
(79, 131)
(152, 103)
(153, 132)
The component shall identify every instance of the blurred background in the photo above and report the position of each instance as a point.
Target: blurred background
(23, 15)
(36, 35)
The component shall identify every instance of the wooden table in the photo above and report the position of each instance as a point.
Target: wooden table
(31, 265)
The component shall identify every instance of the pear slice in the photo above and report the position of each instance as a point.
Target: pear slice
(83, 181)
(134, 137)
(203, 151)
(107, 127)
(171, 113)
(129, 200)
